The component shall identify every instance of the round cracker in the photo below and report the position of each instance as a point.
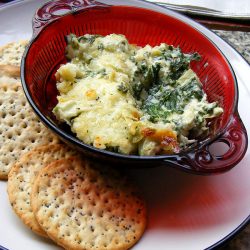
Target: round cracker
(20, 129)
(83, 207)
(11, 53)
(22, 176)
(10, 59)
(4, 79)
(11, 71)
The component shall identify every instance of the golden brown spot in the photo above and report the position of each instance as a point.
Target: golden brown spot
(91, 94)
(136, 115)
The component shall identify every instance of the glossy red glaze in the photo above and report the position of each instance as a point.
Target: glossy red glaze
(141, 27)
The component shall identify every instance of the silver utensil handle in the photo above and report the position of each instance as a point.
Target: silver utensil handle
(197, 10)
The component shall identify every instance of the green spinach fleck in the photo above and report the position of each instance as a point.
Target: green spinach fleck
(163, 101)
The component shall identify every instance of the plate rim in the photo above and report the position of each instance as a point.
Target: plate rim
(6, 5)
(246, 221)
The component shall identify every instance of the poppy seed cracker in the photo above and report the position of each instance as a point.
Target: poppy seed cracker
(22, 176)
(81, 206)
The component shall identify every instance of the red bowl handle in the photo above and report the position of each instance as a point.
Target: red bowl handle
(202, 161)
(55, 9)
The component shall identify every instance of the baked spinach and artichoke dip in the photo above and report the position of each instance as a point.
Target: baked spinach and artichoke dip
(129, 99)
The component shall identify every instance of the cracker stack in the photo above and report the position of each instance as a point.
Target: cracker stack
(77, 204)
(20, 129)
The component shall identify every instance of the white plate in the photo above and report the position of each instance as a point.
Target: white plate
(186, 211)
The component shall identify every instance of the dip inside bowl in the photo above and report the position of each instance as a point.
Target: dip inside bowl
(141, 26)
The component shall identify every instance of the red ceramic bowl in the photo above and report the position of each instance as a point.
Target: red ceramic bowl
(141, 26)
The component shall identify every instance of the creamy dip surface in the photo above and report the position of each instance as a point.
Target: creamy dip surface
(129, 99)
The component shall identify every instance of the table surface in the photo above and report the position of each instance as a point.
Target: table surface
(241, 42)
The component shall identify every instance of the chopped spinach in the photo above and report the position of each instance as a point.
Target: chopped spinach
(72, 40)
(88, 38)
(158, 76)
(91, 73)
(100, 46)
(122, 88)
(179, 62)
(145, 77)
(163, 101)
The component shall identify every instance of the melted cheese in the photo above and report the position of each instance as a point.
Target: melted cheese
(96, 96)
